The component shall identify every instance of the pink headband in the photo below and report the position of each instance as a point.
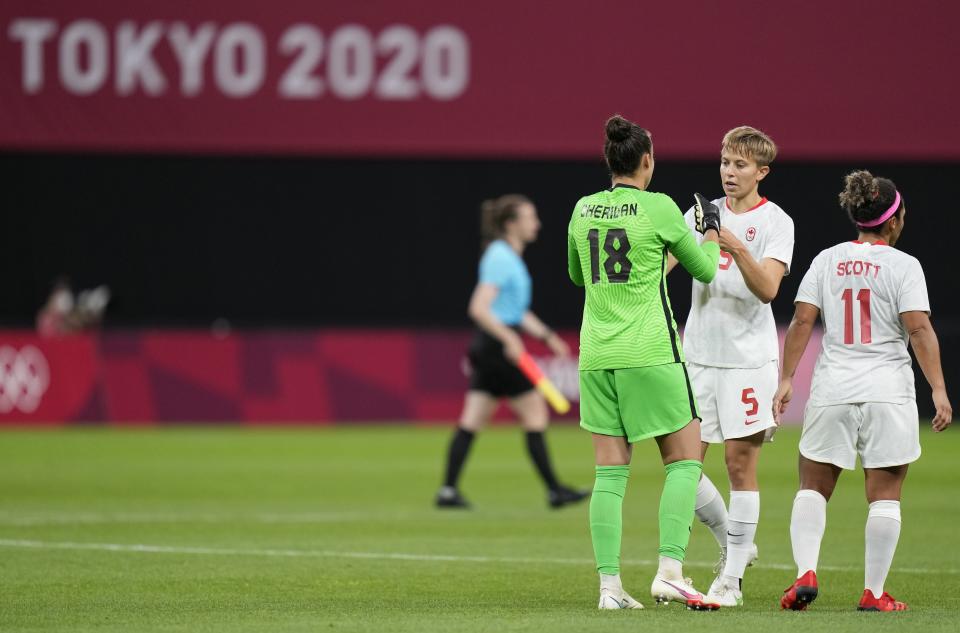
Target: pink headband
(883, 218)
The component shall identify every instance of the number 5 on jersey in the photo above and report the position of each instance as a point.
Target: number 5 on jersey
(616, 246)
(726, 259)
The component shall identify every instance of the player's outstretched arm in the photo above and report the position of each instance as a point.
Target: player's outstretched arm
(700, 260)
(480, 310)
(798, 336)
(762, 278)
(927, 348)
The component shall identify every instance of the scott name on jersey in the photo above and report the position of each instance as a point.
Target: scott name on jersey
(857, 268)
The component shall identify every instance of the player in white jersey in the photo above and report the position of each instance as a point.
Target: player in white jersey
(732, 349)
(872, 300)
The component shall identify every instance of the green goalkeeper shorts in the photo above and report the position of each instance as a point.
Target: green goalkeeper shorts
(638, 402)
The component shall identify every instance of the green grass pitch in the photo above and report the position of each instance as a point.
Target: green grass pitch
(233, 529)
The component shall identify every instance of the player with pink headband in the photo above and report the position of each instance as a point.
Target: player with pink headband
(872, 299)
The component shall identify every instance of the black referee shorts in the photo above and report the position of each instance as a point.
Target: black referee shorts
(491, 371)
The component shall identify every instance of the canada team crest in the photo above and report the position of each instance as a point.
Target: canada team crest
(751, 234)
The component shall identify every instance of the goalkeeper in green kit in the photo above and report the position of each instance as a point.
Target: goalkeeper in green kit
(633, 380)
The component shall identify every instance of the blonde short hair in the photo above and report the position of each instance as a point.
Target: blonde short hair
(752, 143)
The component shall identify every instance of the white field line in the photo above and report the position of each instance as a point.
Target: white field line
(93, 518)
(296, 553)
(19, 519)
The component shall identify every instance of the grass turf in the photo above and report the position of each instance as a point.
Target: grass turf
(233, 529)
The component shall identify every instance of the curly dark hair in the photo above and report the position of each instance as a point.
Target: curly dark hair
(866, 197)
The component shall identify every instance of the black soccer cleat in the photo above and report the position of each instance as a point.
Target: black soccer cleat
(563, 495)
(450, 497)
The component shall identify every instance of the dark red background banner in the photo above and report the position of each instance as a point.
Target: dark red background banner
(827, 79)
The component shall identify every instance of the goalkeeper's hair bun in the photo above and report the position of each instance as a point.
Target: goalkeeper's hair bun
(866, 197)
(618, 128)
(626, 144)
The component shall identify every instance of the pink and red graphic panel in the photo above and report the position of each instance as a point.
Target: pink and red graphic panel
(268, 377)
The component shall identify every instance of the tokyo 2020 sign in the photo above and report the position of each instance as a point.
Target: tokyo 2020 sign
(493, 79)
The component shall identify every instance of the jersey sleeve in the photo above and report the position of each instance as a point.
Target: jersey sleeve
(810, 291)
(780, 244)
(913, 290)
(495, 267)
(700, 260)
(574, 269)
(689, 219)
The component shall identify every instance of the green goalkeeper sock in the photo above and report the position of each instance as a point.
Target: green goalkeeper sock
(676, 507)
(606, 516)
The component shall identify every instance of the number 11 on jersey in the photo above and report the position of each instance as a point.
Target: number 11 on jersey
(863, 298)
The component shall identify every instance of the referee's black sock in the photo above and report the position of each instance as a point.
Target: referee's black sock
(457, 455)
(537, 446)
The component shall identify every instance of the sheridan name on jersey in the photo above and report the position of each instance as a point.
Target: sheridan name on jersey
(728, 325)
(861, 290)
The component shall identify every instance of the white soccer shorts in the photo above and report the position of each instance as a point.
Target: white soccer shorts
(882, 433)
(734, 402)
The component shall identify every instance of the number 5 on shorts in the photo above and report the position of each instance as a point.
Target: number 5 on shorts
(747, 398)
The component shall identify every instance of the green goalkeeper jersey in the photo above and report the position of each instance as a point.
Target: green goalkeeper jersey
(617, 245)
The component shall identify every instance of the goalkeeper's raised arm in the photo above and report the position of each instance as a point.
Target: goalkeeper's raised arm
(706, 221)
(700, 260)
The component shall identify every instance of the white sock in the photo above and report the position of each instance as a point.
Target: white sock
(611, 582)
(741, 529)
(670, 568)
(711, 511)
(807, 522)
(883, 532)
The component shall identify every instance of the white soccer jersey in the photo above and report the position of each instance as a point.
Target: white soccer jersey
(861, 290)
(728, 325)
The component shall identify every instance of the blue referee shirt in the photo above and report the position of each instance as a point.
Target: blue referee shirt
(504, 268)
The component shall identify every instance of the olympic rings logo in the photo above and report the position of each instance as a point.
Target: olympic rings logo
(24, 378)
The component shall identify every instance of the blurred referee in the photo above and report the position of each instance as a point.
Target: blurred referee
(500, 306)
